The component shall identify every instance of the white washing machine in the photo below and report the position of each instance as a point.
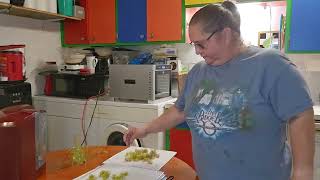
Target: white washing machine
(112, 134)
(111, 119)
(115, 120)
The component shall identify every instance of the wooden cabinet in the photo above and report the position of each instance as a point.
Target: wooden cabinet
(164, 20)
(197, 2)
(138, 21)
(180, 141)
(302, 26)
(132, 20)
(98, 27)
(149, 20)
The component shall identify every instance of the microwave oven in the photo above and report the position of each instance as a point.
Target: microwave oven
(146, 82)
(77, 86)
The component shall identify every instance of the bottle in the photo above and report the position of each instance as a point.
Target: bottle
(52, 6)
(42, 5)
(5, 1)
(65, 7)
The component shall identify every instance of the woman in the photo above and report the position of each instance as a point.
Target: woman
(238, 104)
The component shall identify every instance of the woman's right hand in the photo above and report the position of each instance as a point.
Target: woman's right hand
(134, 133)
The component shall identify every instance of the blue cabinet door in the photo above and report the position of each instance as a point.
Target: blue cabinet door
(304, 30)
(132, 20)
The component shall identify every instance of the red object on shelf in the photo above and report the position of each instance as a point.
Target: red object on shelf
(17, 142)
(48, 85)
(181, 142)
(12, 63)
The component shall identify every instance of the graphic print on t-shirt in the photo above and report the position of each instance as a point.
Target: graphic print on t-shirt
(214, 111)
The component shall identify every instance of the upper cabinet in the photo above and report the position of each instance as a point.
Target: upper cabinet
(302, 26)
(199, 2)
(138, 21)
(98, 27)
(132, 18)
(164, 20)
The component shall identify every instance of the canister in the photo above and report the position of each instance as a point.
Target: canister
(29, 4)
(5, 1)
(42, 5)
(52, 6)
(65, 7)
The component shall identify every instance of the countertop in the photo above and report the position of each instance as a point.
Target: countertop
(153, 105)
(59, 165)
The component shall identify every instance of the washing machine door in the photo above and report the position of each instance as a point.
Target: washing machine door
(114, 135)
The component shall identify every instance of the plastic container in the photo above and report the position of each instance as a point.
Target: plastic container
(5, 1)
(30, 4)
(42, 5)
(17, 2)
(52, 6)
(65, 7)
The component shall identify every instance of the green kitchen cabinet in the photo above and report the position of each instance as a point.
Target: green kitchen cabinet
(302, 26)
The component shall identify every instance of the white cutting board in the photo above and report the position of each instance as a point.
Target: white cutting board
(119, 158)
(133, 172)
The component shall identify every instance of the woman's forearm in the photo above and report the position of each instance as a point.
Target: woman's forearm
(302, 141)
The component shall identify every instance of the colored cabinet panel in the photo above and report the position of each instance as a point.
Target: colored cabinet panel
(164, 20)
(97, 27)
(102, 21)
(193, 2)
(181, 142)
(132, 20)
(76, 32)
(303, 26)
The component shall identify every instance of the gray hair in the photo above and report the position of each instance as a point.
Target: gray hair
(215, 17)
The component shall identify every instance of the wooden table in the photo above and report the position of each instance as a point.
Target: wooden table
(59, 165)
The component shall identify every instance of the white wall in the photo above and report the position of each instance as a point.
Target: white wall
(42, 40)
(254, 18)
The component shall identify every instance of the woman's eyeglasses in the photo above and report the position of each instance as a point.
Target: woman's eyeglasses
(203, 43)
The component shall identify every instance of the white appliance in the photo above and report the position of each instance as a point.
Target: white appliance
(115, 120)
(175, 65)
(109, 122)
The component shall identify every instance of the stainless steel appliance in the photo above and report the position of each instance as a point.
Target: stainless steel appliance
(140, 82)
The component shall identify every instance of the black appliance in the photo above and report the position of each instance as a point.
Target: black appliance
(17, 2)
(103, 65)
(14, 94)
(77, 86)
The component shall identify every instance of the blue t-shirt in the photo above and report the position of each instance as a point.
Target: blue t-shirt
(238, 112)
